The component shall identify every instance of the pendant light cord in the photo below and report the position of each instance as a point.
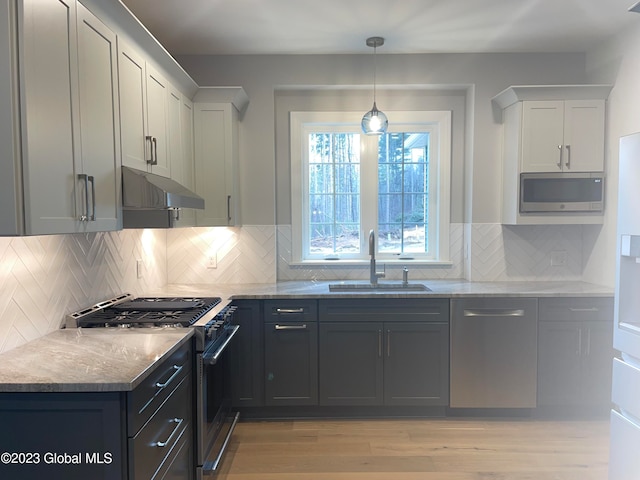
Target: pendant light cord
(375, 70)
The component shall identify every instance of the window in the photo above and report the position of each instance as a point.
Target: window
(345, 183)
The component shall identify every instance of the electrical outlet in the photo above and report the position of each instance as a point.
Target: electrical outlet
(212, 261)
(139, 268)
(559, 258)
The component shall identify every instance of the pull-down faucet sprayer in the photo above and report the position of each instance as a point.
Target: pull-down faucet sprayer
(373, 274)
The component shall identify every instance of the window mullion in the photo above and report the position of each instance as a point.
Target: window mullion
(368, 190)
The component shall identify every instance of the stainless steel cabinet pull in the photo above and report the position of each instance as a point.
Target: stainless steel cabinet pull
(588, 352)
(85, 214)
(379, 343)
(559, 164)
(568, 164)
(289, 310)
(93, 198)
(590, 309)
(579, 352)
(178, 422)
(154, 141)
(178, 369)
(291, 327)
(149, 139)
(388, 343)
(494, 312)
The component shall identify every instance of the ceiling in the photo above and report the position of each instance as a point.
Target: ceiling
(230, 27)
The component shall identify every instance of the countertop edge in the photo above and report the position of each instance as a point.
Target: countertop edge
(125, 385)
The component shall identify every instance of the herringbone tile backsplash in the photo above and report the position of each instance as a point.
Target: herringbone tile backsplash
(44, 278)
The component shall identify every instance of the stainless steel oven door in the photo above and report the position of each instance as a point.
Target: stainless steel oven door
(215, 421)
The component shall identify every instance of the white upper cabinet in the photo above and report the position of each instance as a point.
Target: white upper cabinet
(99, 124)
(61, 89)
(563, 136)
(180, 123)
(143, 113)
(550, 129)
(216, 116)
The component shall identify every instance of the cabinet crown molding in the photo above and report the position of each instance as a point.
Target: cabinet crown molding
(234, 95)
(517, 93)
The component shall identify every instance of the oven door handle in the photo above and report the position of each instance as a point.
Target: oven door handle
(211, 358)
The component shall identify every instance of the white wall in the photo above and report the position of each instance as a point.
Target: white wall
(486, 74)
(616, 62)
(485, 250)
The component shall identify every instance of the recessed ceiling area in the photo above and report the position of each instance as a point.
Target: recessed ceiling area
(235, 27)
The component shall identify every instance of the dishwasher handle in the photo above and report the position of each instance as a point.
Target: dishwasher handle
(494, 312)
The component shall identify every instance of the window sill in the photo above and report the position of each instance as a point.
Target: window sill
(392, 262)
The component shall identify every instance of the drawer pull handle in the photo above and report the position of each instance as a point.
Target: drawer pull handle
(178, 421)
(590, 309)
(494, 313)
(162, 386)
(288, 311)
(177, 369)
(291, 327)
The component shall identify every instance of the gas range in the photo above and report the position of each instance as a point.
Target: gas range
(209, 316)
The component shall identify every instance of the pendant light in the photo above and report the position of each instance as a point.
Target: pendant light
(374, 121)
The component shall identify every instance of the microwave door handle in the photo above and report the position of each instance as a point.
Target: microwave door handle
(568, 164)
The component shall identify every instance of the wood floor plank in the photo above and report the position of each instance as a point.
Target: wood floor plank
(421, 449)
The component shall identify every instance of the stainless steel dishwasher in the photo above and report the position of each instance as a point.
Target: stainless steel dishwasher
(494, 344)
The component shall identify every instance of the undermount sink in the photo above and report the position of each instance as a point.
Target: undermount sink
(406, 287)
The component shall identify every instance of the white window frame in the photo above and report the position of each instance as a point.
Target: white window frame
(437, 123)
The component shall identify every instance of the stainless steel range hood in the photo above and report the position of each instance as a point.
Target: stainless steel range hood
(152, 201)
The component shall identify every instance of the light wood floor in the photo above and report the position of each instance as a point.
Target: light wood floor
(442, 449)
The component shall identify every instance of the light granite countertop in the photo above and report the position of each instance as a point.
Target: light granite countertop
(439, 289)
(88, 360)
(101, 360)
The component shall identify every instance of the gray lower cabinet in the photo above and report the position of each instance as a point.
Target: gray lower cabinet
(246, 355)
(575, 352)
(388, 352)
(291, 352)
(143, 434)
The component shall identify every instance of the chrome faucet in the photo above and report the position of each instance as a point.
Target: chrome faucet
(373, 274)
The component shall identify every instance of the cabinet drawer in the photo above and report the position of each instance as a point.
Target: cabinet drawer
(624, 462)
(575, 309)
(290, 310)
(150, 394)
(384, 309)
(164, 431)
(625, 389)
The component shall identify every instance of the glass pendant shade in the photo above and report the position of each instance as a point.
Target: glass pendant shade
(374, 122)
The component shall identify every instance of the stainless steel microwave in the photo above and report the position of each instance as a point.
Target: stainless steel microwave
(561, 192)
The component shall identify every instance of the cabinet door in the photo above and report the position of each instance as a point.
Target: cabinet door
(246, 356)
(50, 116)
(291, 363)
(584, 136)
(542, 136)
(215, 137)
(157, 120)
(133, 107)
(416, 364)
(598, 354)
(182, 166)
(351, 363)
(99, 123)
(174, 130)
(559, 363)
